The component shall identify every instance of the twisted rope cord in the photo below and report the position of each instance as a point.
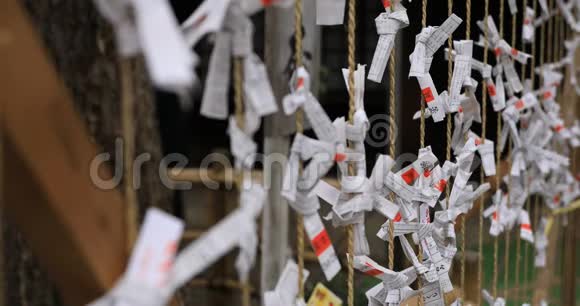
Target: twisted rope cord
(550, 32)
(299, 129)
(422, 127)
(127, 123)
(518, 237)
(463, 217)
(533, 67)
(498, 161)
(481, 173)
(422, 143)
(351, 69)
(392, 145)
(240, 120)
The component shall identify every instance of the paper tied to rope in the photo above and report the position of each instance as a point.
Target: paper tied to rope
(494, 212)
(242, 145)
(321, 156)
(391, 279)
(526, 227)
(485, 148)
(461, 72)
(330, 12)
(237, 230)
(140, 26)
(499, 301)
(528, 28)
(388, 24)
(149, 267)
(357, 196)
(541, 244)
(504, 53)
(300, 96)
(426, 44)
(307, 205)
(286, 291)
(566, 10)
(439, 268)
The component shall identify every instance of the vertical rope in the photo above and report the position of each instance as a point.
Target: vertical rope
(392, 143)
(422, 127)
(481, 173)
(498, 162)
(127, 123)
(518, 238)
(351, 69)
(240, 121)
(299, 129)
(463, 217)
(534, 58)
(422, 141)
(549, 47)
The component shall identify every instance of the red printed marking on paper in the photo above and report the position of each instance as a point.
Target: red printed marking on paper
(441, 185)
(339, 157)
(527, 21)
(557, 199)
(520, 104)
(267, 2)
(460, 109)
(410, 176)
(526, 226)
(398, 217)
(558, 128)
(497, 51)
(478, 141)
(386, 3)
(547, 95)
(491, 90)
(495, 215)
(300, 83)
(321, 242)
(426, 173)
(427, 94)
(372, 271)
(514, 52)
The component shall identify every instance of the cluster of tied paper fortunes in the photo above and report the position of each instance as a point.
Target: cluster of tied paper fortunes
(405, 197)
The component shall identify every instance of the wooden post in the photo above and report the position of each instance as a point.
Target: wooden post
(75, 229)
(278, 32)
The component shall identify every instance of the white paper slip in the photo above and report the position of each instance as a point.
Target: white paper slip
(242, 145)
(221, 238)
(388, 24)
(170, 67)
(330, 12)
(155, 248)
(432, 98)
(461, 71)
(286, 290)
(257, 86)
(441, 34)
(207, 18)
(528, 29)
(322, 246)
(214, 103)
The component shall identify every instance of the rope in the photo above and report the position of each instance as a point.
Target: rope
(240, 121)
(519, 240)
(550, 31)
(533, 68)
(463, 217)
(351, 69)
(481, 174)
(127, 122)
(422, 142)
(299, 129)
(392, 144)
(422, 127)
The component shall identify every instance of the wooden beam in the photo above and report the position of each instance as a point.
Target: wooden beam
(75, 229)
